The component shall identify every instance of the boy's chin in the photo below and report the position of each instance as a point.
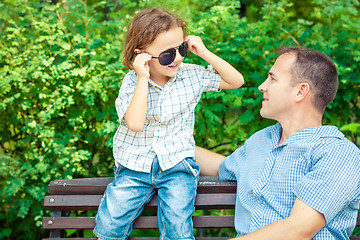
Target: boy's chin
(173, 74)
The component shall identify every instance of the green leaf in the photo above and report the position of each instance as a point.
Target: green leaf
(352, 127)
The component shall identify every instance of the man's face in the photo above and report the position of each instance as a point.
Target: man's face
(278, 90)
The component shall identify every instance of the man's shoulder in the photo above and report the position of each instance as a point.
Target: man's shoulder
(331, 135)
(330, 141)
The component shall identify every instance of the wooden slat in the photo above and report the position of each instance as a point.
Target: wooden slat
(143, 222)
(97, 186)
(91, 202)
(72, 202)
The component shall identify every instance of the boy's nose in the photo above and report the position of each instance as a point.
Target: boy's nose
(178, 57)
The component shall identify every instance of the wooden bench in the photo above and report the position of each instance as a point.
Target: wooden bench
(85, 194)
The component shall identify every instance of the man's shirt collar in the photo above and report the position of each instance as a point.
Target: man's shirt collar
(315, 132)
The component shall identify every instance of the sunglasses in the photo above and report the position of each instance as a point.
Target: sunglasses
(168, 56)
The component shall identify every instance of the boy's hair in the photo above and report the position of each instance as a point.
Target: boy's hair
(145, 27)
(317, 69)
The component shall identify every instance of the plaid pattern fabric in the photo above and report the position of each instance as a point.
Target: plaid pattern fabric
(169, 126)
(318, 165)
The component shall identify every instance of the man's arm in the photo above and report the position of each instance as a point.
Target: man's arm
(303, 223)
(208, 161)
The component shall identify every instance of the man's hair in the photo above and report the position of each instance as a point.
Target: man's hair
(145, 27)
(318, 70)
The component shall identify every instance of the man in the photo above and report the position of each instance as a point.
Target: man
(296, 179)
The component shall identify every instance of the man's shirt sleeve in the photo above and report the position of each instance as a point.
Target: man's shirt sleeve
(228, 169)
(332, 181)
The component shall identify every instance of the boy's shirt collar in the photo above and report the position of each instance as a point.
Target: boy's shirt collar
(179, 76)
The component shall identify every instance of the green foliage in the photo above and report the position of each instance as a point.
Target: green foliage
(60, 71)
(250, 47)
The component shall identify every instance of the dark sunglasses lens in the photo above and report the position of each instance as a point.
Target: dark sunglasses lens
(183, 49)
(167, 57)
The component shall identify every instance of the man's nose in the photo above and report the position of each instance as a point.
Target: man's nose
(262, 87)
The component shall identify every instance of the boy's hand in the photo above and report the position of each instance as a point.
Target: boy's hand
(141, 65)
(230, 77)
(196, 45)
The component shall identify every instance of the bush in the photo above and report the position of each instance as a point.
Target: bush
(60, 71)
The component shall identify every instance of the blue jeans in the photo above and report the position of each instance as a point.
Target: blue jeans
(126, 196)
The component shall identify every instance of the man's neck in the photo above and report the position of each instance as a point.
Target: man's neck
(298, 123)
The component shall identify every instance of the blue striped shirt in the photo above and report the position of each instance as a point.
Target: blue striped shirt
(318, 165)
(169, 124)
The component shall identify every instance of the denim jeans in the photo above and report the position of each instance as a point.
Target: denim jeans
(126, 196)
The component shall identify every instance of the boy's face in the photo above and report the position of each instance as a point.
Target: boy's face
(164, 41)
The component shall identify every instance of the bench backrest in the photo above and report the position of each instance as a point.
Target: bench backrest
(85, 194)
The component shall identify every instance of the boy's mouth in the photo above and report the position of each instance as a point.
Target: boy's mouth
(173, 66)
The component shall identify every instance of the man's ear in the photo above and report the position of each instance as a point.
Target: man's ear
(303, 91)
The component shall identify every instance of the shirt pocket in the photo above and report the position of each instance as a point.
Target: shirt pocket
(180, 99)
(288, 171)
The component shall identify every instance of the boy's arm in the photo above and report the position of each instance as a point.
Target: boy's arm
(304, 222)
(136, 113)
(208, 161)
(230, 77)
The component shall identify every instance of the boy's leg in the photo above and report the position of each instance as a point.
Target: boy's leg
(176, 198)
(123, 201)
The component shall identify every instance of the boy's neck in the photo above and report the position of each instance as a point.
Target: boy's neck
(161, 81)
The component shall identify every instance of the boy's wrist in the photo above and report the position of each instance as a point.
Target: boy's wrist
(207, 55)
(143, 79)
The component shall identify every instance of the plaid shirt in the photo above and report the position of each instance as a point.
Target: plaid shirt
(318, 165)
(169, 125)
